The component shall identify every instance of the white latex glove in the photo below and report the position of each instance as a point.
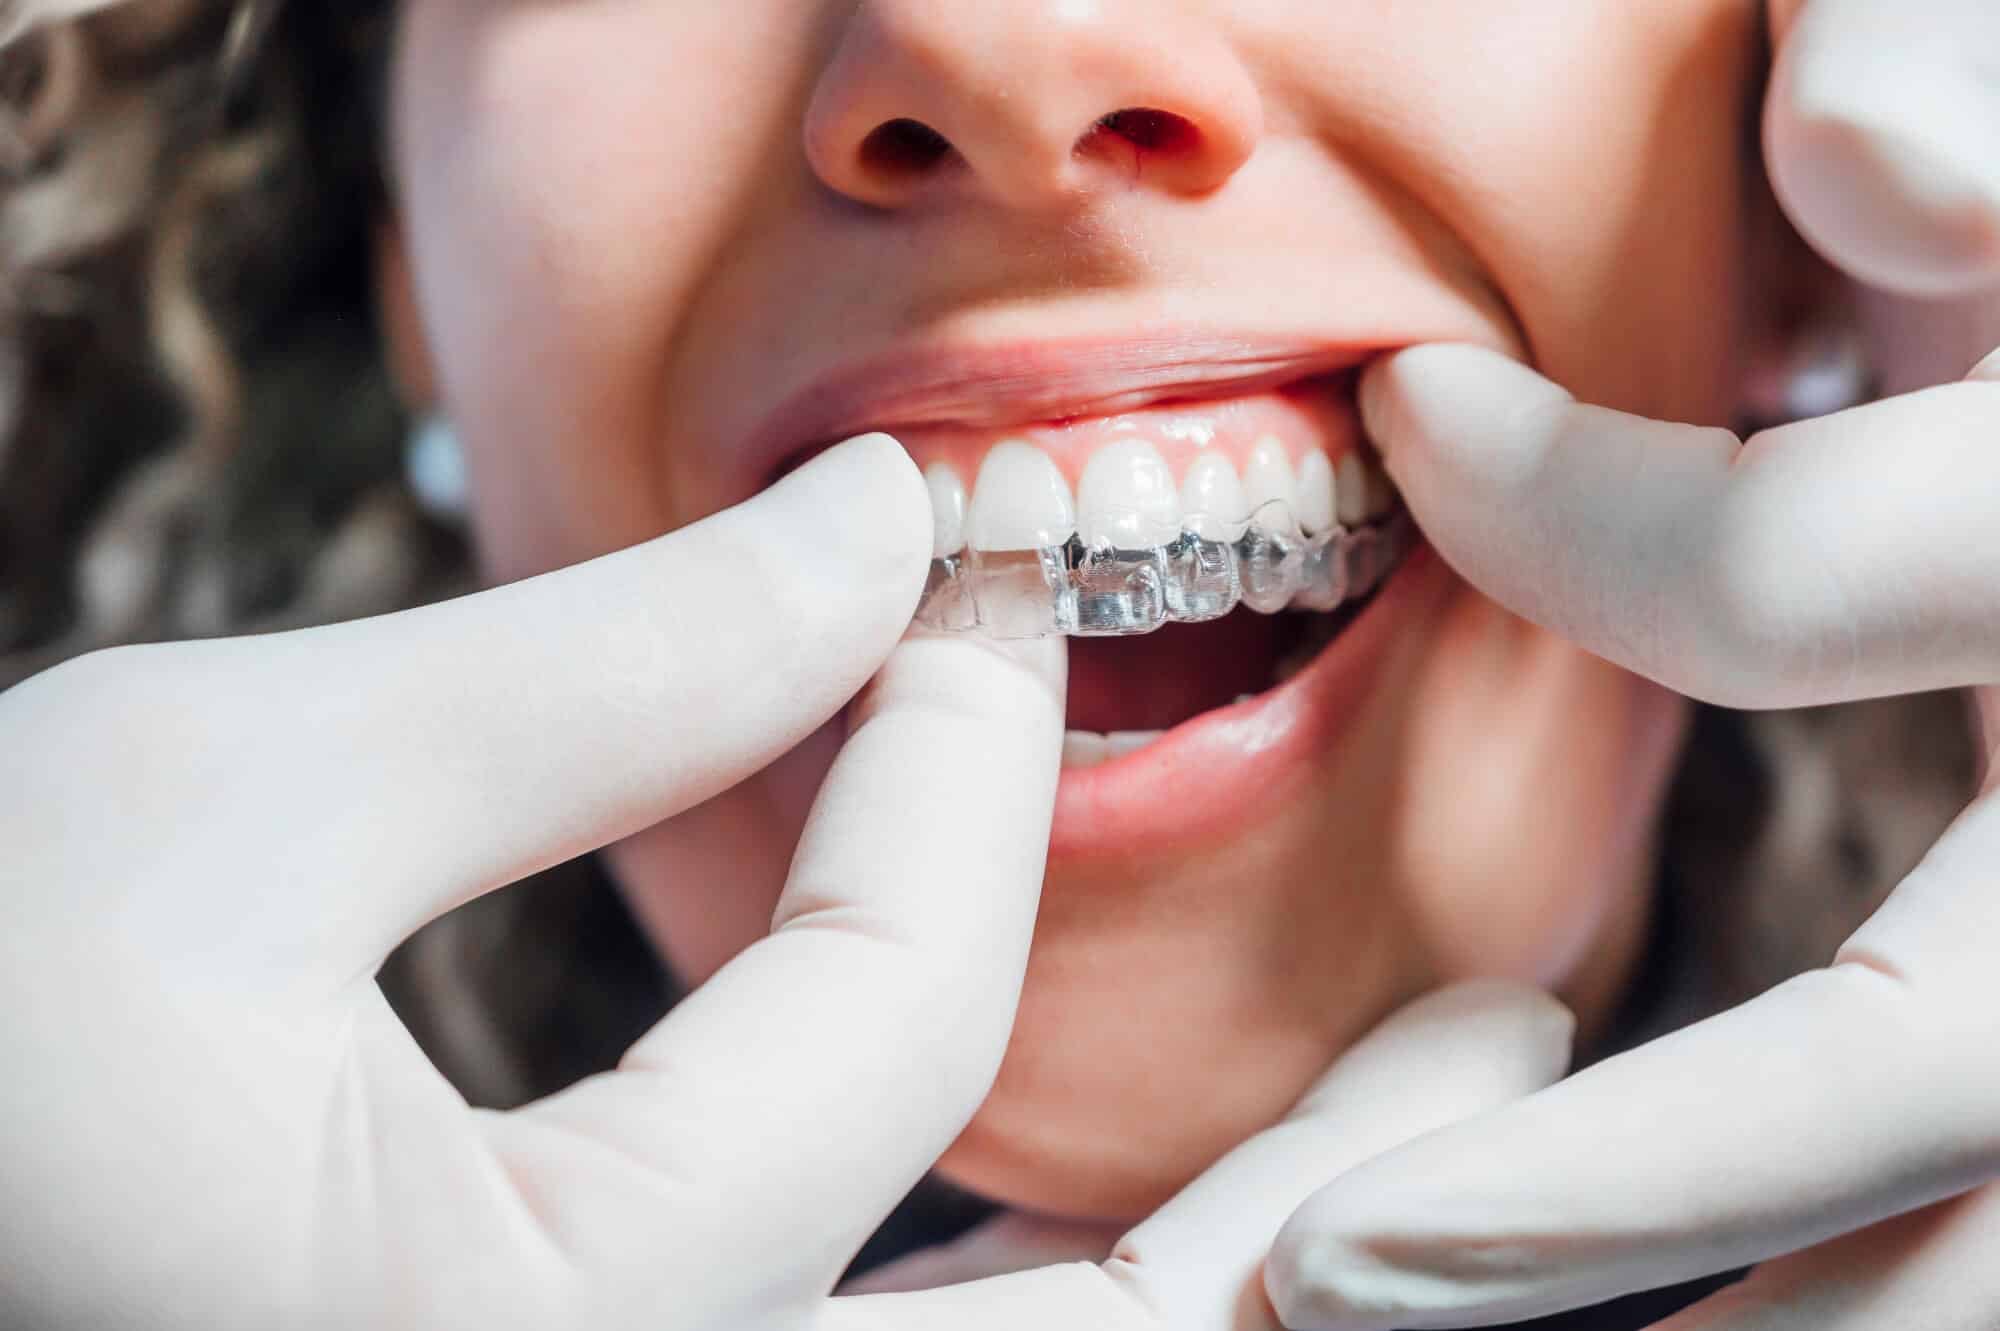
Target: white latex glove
(1879, 134)
(1819, 1129)
(212, 1119)
(1847, 557)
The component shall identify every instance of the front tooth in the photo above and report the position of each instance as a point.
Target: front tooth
(1123, 742)
(947, 509)
(1084, 748)
(1268, 477)
(1317, 507)
(1019, 502)
(1212, 498)
(1381, 490)
(1127, 498)
(1352, 491)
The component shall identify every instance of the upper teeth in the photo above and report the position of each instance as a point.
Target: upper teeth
(1212, 494)
(1268, 478)
(1318, 507)
(947, 509)
(1020, 502)
(1351, 491)
(1128, 498)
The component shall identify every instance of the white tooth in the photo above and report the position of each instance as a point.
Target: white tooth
(1381, 490)
(1317, 509)
(1019, 502)
(1245, 697)
(1212, 499)
(1123, 742)
(1268, 476)
(947, 509)
(1352, 491)
(1128, 498)
(1084, 748)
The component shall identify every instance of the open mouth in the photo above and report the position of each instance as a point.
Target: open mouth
(1191, 715)
(1200, 552)
(1127, 694)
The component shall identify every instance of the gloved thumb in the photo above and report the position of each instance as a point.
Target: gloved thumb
(1879, 137)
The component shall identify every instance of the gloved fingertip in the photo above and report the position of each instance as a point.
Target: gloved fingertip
(1885, 164)
(1522, 1016)
(1320, 1282)
(1428, 397)
(1375, 396)
(861, 507)
(871, 473)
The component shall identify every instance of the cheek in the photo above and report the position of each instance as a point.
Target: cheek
(1534, 776)
(1608, 206)
(545, 155)
(1634, 289)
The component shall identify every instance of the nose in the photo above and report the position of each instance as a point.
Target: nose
(1033, 103)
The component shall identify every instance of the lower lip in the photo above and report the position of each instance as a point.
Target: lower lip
(1215, 773)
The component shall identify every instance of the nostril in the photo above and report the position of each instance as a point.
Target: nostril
(1146, 129)
(903, 147)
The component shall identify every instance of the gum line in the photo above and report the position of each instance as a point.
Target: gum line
(1101, 590)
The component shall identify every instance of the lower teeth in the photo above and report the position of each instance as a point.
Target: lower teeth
(1083, 748)
(1102, 591)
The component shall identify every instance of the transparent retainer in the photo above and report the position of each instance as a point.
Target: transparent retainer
(1103, 590)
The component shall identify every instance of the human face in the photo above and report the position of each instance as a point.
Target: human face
(663, 249)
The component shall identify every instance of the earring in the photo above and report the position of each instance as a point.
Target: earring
(434, 467)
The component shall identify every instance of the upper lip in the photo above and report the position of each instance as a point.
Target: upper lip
(1002, 385)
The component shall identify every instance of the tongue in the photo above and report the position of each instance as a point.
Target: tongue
(1157, 681)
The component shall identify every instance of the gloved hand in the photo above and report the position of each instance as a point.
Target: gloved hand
(1843, 1129)
(212, 1118)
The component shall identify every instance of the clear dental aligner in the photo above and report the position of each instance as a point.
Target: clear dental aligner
(1265, 561)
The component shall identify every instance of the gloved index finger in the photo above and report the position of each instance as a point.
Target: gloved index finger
(785, 1106)
(1846, 557)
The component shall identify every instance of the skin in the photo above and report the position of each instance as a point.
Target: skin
(626, 231)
